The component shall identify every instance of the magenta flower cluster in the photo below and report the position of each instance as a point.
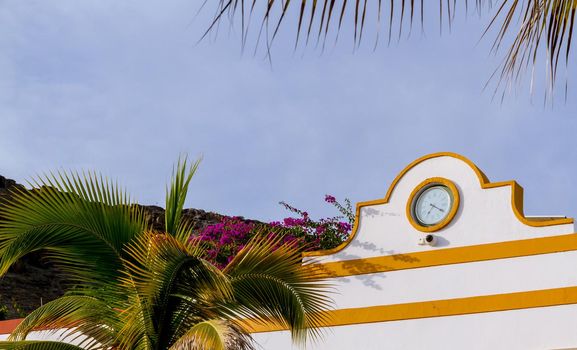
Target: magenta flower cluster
(229, 230)
(226, 238)
(330, 199)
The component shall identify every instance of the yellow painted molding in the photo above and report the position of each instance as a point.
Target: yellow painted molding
(448, 256)
(516, 200)
(438, 308)
(456, 201)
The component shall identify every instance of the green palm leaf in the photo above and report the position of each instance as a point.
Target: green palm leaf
(37, 345)
(160, 268)
(176, 196)
(93, 321)
(271, 285)
(530, 25)
(136, 289)
(215, 335)
(80, 222)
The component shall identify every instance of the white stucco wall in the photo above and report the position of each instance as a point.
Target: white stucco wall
(521, 274)
(485, 216)
(537, 328)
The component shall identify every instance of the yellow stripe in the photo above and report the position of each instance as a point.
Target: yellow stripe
(516, 200)
(437, 308)
(491, 251)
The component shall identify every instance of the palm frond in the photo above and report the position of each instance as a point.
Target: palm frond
(92, 321)
(161, 269)
(539, 20)
(527, 25)
(140, 290)
(271, 285)
(275, 11)
(216, 335)
(80, 221)
(176, 196)
(38, 345)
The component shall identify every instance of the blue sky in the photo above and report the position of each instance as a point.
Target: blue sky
(123, 88)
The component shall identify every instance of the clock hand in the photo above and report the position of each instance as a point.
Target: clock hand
(434, 206)
(429, 212)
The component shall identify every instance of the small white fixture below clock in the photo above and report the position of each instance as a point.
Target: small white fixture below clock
(428, 240)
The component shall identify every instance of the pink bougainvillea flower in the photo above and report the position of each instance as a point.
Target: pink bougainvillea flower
(330, 199)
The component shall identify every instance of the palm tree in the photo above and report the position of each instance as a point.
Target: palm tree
(541, 24)
(133, 288)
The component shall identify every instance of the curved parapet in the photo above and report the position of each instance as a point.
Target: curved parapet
(486, 213)
(447, 260)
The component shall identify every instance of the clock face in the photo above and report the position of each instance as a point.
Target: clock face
(433, 205)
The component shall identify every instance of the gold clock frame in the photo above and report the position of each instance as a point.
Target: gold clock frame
(419, 189)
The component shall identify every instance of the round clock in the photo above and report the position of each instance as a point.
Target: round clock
(433, 204)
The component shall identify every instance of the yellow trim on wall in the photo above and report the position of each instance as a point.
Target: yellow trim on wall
(455, 201)
(457, 255)
(516, 200)
(438, 308)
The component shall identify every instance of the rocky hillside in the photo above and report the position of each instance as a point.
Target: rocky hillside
(33, 281)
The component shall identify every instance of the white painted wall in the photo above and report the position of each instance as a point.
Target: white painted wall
(484, 216)
(500, 276)
(537, 328)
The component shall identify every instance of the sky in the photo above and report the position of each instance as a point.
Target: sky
(124, 88)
